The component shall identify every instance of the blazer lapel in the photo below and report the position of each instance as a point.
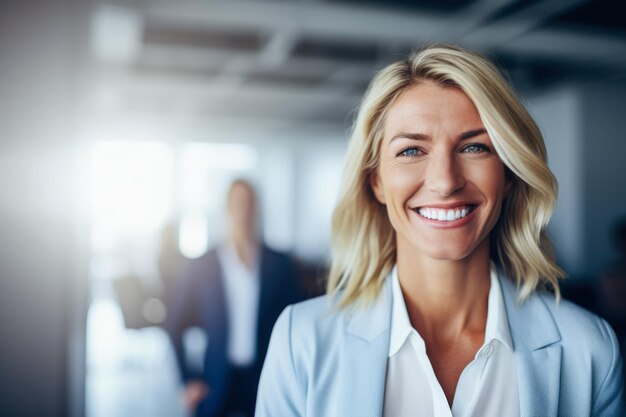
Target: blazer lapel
(537, 352)
(365, 358)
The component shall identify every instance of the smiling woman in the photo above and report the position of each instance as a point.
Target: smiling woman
(436, 303)
(437, 160)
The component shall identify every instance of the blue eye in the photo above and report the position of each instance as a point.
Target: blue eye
(475, 148)
(410, 152)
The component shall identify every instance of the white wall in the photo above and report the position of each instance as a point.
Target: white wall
(319, 167)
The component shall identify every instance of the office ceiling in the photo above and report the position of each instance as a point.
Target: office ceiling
(305, 64)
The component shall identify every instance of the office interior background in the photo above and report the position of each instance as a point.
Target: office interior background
(123, 122)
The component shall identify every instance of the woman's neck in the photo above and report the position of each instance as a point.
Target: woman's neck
(445, 298)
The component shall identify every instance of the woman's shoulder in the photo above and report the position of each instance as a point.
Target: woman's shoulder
(580, 330)
(542, 318)
(308, 332)
(575, 321)
(313, 317)
(588, 345)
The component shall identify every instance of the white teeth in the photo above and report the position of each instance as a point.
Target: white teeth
(443, 215)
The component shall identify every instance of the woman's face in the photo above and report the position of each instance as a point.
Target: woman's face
(439, 174)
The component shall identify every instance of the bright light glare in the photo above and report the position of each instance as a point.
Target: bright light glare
(105, 330)
(202, 164)
(116, 33)
(205, 171)
(132, 184)
(229, 156)
(193, 238)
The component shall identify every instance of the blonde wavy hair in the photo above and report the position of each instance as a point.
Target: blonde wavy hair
(363, 240)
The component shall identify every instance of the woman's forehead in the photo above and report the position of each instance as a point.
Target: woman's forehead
(428, 106)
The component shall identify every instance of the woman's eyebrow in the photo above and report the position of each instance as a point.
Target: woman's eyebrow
(414, 136)
(471, 133)
(423, 137)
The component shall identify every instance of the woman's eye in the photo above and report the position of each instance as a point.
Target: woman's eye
(475, 148)
(410, 152)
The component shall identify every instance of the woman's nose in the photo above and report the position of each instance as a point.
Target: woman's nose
(444, 175)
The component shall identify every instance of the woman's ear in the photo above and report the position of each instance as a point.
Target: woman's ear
(377, 187)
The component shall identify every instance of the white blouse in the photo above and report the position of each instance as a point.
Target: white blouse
(487, 386)
(242, 289)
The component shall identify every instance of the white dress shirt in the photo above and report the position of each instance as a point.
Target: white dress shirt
(487, 386)
(242, 290)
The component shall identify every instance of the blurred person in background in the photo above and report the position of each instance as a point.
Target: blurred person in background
(235, 293)
(435, 303)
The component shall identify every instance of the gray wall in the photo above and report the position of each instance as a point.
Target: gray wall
(557, 113)
(42, 281)
(604, 158)
(585, 132)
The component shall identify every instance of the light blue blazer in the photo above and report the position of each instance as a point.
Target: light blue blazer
(324, 363)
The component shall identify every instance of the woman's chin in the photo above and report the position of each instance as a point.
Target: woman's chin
(446, 252)
(447, 255)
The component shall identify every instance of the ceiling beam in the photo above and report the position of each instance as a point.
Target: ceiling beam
(323, 20)
(585, 47)
(499, 33)
(289, 21)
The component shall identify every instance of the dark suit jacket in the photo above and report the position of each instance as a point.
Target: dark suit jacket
(199, 300)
